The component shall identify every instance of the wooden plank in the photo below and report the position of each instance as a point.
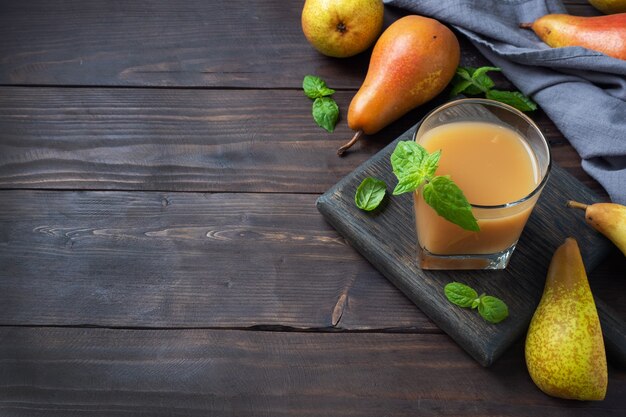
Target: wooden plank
(225, 43)
(219, 43)
(387, 239)
(146, 139)
(184, 260)
(99, 372)
(144, 259)
(152, 43)
(188, 140)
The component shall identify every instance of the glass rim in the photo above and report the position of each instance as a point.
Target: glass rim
(518, 113)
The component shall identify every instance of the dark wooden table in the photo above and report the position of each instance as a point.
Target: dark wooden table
(160, 249)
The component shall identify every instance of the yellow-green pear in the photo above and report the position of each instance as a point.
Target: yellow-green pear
(608, 219)
(342, 28)
(609, 6)
(564, 347)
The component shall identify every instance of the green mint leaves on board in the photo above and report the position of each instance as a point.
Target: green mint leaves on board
(460, 294)
(475, 81)
(415, 167)
(490, 308)
(370, 193)
(325, 110)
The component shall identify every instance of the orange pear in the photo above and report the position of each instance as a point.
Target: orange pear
(412, 62)
(606, 34)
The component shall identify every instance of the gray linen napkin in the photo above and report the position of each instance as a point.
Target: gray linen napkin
(582, 91)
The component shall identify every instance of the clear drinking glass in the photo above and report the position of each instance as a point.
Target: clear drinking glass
(443, 245)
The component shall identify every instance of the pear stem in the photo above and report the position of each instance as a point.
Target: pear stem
(526, 25)
(351, 142)
(576, 204)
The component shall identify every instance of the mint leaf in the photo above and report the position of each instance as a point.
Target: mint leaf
(465, 73)
(473, 90)
(492, 309)
(479, 72)
(443, 195)
(370, 193)
(325, 113)
(412, 165)
(512, 98)
(430, 164)
(407, 162)
(459, 86)
(407, 157)
(414, 176)
(481, 80)
(409, 183)
(463, 83)
(460, 294)
(314, 87)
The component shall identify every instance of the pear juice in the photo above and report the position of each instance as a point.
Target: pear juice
(493, 165)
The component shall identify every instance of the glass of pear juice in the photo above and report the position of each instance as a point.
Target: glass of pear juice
(500, 160)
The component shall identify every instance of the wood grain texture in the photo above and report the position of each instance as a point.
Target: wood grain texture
(188, 140)
(223, 43)
(185, 260)
(198, 260)
(220, 261)
(146, 139)
(219, 43)
(98, 372)
(387, 238)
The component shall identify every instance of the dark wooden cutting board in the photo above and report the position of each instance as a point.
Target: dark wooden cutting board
(386, 237)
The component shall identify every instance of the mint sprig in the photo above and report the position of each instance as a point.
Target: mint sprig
(415, 167)
(370, 193)
(490, 308)
(475, 81)
(325, 110)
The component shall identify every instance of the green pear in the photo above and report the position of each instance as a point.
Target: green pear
(342, 28)
(564, 347)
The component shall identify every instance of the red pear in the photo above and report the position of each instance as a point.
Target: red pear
(412, 62)
(606, 34)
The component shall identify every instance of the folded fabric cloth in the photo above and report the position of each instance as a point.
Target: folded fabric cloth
(582, 91)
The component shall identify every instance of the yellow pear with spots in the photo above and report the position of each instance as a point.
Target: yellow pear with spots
(564, 347)
(413, 61)
(608, 219)
(342, 28)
